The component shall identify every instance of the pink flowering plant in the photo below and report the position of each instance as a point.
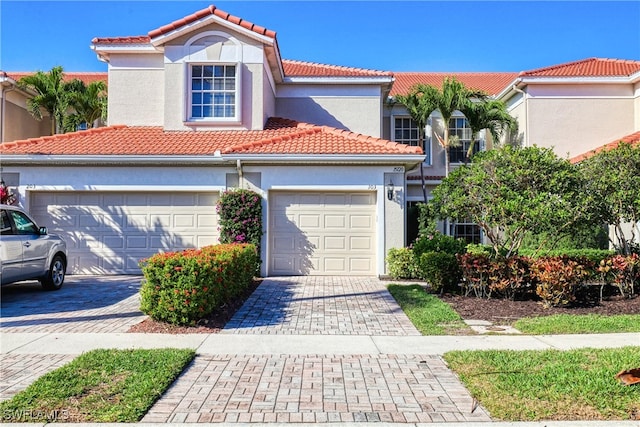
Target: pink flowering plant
(240, 216)
(6, 196)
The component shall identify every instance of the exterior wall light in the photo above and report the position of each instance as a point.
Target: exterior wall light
(390, 190)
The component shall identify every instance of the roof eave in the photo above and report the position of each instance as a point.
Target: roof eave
(378, 159)
(77, 160)
(103, 51)
(575, 79)
(379, 80)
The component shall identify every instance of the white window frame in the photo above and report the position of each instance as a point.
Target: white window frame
(426, 142)
(237, 118)
(466, 140)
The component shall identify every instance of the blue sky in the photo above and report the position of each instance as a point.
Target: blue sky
(383, 35)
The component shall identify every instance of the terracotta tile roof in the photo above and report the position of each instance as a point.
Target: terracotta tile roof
(591, 67)
(312, 69)
(491, 83)
(633, 139)
(85, 77)
(175, 25)
(280, 136)
(211, 10)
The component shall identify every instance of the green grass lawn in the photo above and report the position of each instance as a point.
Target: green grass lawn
(99, 386)
(550, 384)
(578, 324)
(427, 312)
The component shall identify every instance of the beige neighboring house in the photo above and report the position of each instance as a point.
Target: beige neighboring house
(573, 108)
(15, 120)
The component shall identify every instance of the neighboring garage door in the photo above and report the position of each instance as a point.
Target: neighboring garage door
(109, 233)
(315, 233)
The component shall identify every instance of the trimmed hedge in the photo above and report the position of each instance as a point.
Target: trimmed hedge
(183, 287)
(441, 270)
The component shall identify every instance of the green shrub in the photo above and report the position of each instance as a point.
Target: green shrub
(440, 269)
(594, 255)
(438, 242)
(402, 264)
(183, 287)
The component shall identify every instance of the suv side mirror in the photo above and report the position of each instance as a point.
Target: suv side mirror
(43, 231)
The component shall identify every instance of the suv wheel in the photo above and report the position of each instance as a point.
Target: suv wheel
(55, 276)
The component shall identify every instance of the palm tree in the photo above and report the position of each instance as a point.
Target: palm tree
(454, 96)
(488, 114)
(420, 102)
(51, 94)
(89, 103)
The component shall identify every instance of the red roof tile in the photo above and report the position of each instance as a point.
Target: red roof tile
(312, 69)
(633, 139)
(491, 83)
(211, 10)
(281, 136)
(85, 77)
(591, 67)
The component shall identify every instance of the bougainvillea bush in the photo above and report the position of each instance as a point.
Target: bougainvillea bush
(240, 216)
(183, 287)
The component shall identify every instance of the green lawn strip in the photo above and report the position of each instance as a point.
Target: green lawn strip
(427, 312)
(550, 384)
(99, 386)
(578, 324)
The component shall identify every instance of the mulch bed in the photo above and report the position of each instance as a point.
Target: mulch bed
(503, 311)
(497, 311)
(211, 324)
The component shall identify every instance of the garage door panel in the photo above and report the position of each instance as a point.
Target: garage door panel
(210, 221)
(184, 200)
(362, 243)
(110, 232)
(331, 234)
(187, 221)
(360, 221)
(335, 243)
(334, 221)
(115, 242)
(309, 221)
(335, 265)
(360, 265)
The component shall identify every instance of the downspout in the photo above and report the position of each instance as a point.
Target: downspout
(526, 114)
(239, 169)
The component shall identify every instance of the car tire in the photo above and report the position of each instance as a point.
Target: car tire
(55, 276)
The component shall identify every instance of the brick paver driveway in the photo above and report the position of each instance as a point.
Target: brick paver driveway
(319, 305)
(320, 388)
(84, 304)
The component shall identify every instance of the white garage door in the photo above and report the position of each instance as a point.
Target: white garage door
(109, 233)
(322, 233)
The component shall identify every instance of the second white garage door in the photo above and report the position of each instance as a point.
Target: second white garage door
(316, 233)
(108, 233)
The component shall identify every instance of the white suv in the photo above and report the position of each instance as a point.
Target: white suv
(28, 252)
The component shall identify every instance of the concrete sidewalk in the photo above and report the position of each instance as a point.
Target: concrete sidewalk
(330, 350)
(77, 343)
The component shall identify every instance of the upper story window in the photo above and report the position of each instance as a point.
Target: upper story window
(405, 131)
(459, 128)
(214, 92)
